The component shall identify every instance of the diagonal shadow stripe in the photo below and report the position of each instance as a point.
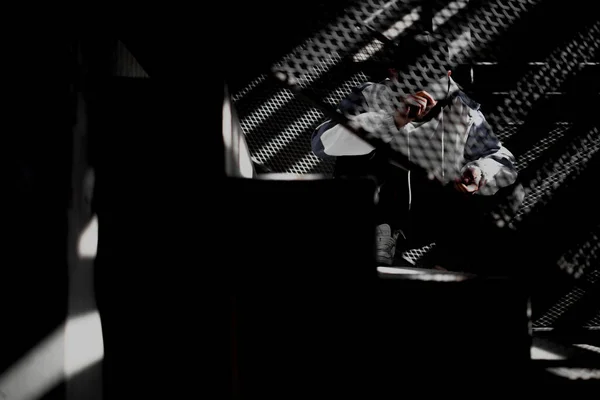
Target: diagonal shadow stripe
(573, 205)
(520, 101)
(578, 260)
(571, 311)
(292, 153)
(594, 322)
(552, 147)
(557, 171)
(532, 157)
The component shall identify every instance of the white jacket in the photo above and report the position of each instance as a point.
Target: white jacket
(457, 137)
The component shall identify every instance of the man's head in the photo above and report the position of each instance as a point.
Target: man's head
(440, 56)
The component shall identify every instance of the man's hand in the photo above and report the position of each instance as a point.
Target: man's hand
(471, 180)
(421, 102)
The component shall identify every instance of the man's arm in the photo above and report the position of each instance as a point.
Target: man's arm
(370, 107)
(331, 139)
(485, 152)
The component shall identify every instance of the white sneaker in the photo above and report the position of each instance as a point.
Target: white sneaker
(385, 244)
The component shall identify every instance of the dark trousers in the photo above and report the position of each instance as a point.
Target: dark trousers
(469, 230)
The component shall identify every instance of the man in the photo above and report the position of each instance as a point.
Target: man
(439, 129)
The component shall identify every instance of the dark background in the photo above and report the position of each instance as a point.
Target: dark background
(158, 153)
